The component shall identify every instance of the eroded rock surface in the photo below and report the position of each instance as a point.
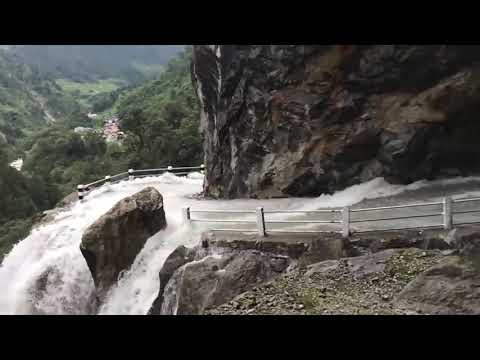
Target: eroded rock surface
(302, 120)
(216, 278)
(403, 272)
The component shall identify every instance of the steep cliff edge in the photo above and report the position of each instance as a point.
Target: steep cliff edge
(291, 120)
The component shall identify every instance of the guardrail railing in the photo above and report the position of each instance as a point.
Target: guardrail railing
(447, 213)
(343, 219)
(131, 174)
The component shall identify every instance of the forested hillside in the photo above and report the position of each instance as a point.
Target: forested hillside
(89, 72)
(160, 118)
(21, 198)
(29, 101)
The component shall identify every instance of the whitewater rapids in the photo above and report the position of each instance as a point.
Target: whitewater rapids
(46, 274)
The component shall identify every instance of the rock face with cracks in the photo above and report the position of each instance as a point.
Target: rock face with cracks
(302, 120)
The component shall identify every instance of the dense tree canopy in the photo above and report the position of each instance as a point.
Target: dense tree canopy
(20, 198)
(28, 102)
(161, 118)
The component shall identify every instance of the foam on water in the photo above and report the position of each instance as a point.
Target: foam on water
(49, 260)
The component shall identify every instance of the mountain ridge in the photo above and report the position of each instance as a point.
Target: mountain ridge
(93, 62)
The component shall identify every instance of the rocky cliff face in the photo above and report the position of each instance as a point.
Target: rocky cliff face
(291, 120)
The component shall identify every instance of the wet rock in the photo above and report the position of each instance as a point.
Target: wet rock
(194, 287)
(302, 120)
(179, 257)
(342, 286)
(111, 243)
(50, 294)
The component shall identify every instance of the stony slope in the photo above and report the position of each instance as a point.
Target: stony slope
(363, 285)
(429, 272)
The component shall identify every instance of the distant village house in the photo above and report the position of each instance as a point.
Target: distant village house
(112, 131)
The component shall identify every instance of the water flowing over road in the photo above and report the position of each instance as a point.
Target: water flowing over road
(46, 274)
(17, 164)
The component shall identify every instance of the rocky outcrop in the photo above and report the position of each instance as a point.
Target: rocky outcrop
(302, 120)
(216, 278)
(179, 257)
(111, 244)
(401, 272)
(365, 284)
(223, 266)
(451, 287)
(306, 249)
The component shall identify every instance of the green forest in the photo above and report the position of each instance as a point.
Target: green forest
(159, 117)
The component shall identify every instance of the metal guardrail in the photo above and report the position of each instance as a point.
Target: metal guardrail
(131, 174)
(262, 225)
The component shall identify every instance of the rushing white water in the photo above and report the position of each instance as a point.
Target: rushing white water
(17, 164)
(46, 273)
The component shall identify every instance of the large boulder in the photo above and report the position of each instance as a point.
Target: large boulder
(213, 278)
(224, 265)
(302, 120)
(111, 244)
(179, 257)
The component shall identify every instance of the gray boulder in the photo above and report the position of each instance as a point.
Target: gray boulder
(179, 257)
(111, 244)
(217, 278)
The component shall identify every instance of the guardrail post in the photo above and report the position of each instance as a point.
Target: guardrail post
(169, 168)
(261, 221)
(107, 179)
(186, 215)
(346, 221)
(80, 192)
(203, 167)
(131, 175)
(447, 212)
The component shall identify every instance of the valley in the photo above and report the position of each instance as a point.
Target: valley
(308, 154)
(41, 110)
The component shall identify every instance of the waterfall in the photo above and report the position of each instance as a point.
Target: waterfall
(46, 274)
